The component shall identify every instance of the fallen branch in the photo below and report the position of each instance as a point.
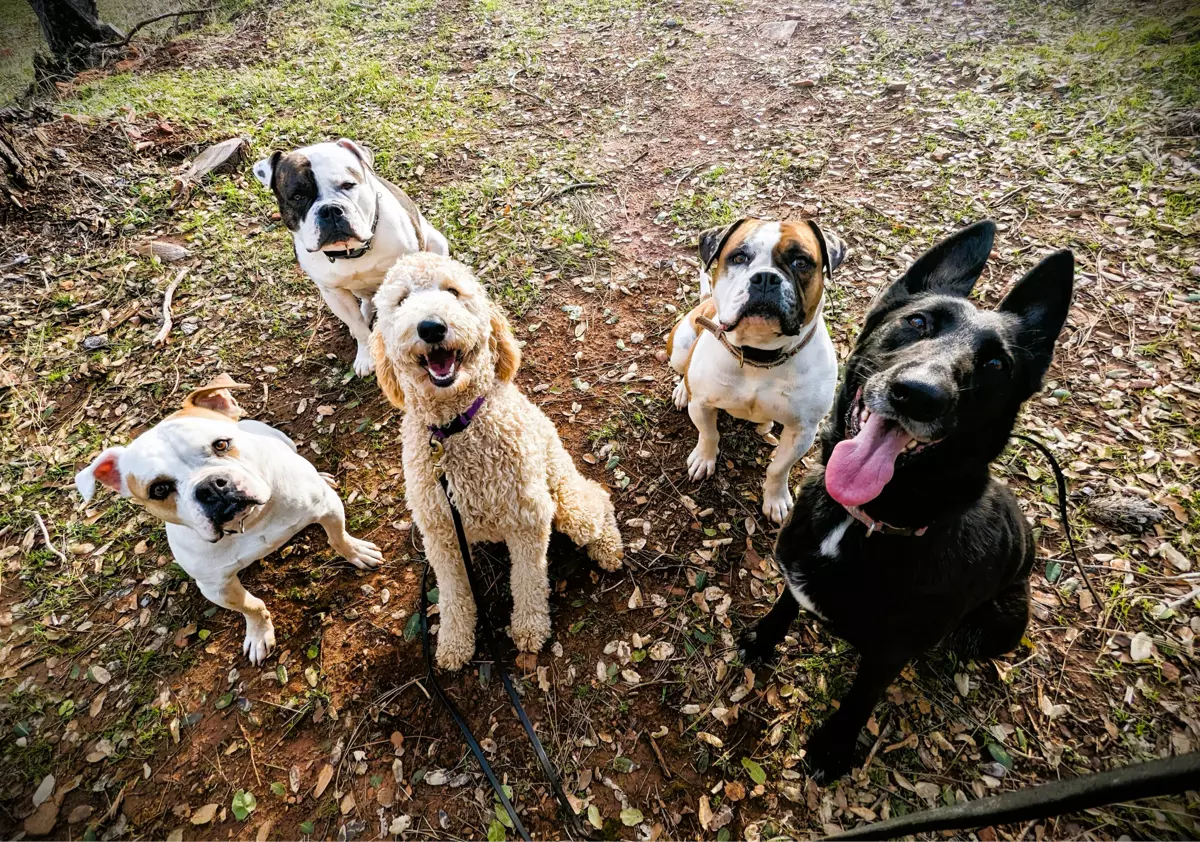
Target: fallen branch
(1176, 603)
(46, 537)
(570, 188)
(166, 306)
(156, 19)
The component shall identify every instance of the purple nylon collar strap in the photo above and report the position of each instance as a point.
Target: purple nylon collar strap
(879, 526)
(459, 424)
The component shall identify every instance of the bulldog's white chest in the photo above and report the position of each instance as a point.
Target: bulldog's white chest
(782, 394)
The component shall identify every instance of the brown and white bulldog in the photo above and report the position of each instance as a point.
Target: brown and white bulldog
(756, 346)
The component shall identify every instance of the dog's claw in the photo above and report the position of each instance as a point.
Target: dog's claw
(260, 640)
(363, 363)
(680, 395)
(531, 633)
(362, 554)
(330, 479)
(701, 464)
(776, 505)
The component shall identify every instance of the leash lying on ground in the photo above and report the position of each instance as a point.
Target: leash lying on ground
(437, 445)
(1062, 512)
(1129, 783)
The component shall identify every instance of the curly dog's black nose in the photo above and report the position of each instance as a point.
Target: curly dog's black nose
(432, 331)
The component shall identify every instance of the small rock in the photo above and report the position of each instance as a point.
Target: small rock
(43, 819)
(897, 87)
(80, 814)
(671, 23)
(95, 343)
(940, 154)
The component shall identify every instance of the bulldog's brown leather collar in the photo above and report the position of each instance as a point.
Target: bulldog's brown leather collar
(780, 357)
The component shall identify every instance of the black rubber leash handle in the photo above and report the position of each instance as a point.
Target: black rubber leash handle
(1129, 783)
(1061, 482)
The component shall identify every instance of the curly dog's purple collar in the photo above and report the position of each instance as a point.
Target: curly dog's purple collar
(459, 424)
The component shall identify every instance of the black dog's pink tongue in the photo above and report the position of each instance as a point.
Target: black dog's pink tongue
(441, 362)
(860, 467)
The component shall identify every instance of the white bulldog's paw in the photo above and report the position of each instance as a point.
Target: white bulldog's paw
(362, 554)
(363, 363)
(260, 640)
(680, 395)
(530, 632)
(777, 503)
(765, 430)
(454, 652)
(701, 462)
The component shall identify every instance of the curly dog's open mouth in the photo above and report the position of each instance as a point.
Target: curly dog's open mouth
(442, 364)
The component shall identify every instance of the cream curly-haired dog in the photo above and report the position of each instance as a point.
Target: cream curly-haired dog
(445, 354)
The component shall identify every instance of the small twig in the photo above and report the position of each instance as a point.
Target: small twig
(46, 537)
(1175, 603)
(138, 26)
(658, 755)
(570, 188)
(166, 306)
(253, 759)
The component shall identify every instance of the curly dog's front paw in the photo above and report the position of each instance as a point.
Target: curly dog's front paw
(530, 632)
(607, 551)
(454, 653)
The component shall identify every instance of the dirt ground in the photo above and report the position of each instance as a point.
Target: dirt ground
(572, 151)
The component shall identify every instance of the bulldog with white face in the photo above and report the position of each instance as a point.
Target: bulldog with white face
(231, 492)
(348, 226)
(757, 346)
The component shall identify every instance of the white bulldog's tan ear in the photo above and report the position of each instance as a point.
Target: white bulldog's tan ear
(504, 345)
(363, 153)
(103, 470)
(265, 169)
(216, 397)
(833, 248)
(385, 371)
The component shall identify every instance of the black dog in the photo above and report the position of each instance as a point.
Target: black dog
(902, 540)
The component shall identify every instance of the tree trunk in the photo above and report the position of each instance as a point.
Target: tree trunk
(71, 26)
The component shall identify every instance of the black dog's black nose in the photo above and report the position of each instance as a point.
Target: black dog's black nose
(920, 400)
(765, 280)
(329, 212)
(432, 331)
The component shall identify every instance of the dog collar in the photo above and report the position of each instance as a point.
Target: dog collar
(766, 361)
(441, 433)
(351, 254)
(879, 526)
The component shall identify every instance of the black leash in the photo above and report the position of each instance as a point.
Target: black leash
(489, 643)
(1062, 512)
(1129, 783)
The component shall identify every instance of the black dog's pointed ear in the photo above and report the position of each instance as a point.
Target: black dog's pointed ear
(1040, 300)
(955, 264)
(713, 239)
(951, 267)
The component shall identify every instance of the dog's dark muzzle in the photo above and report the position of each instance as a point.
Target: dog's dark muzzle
(332, 225)
(221, 500)
(767, 300)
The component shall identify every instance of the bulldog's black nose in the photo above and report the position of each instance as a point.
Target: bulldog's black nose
(765, 280)
(329, 212)
(220, 499)
(432, 331)
(919, 399)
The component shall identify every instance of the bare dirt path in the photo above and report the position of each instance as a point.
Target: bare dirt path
(572, 151)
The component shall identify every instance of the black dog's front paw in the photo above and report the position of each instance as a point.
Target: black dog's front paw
(755, 647)
(828, 756)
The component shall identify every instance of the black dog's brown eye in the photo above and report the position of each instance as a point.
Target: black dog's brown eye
(919, 322)
(221, 446)
(996, 364)
(297, 197)
(161, 490)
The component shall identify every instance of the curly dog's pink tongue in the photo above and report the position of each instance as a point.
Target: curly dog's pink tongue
(860, 467)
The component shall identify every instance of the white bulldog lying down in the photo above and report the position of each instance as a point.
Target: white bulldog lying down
(231, 492)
